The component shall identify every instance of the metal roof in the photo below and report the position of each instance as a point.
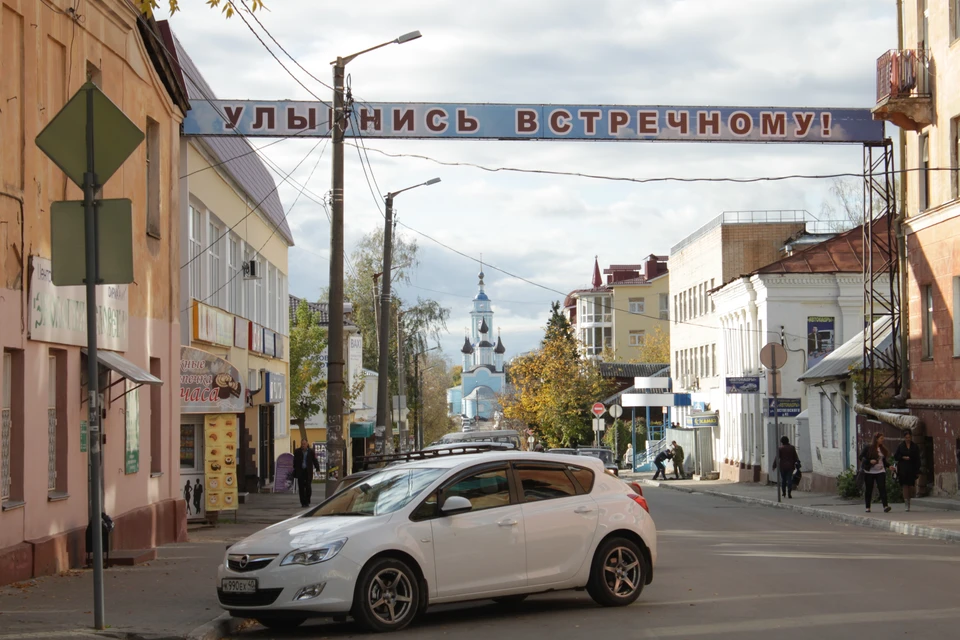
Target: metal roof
(663, 372)
(130, 371)
(849, 355)
(239, 160)
(633, 370)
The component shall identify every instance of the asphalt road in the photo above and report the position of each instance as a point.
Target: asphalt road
(729, 570)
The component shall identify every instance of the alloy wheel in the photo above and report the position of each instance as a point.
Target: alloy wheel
(390, 596)
(621, 571)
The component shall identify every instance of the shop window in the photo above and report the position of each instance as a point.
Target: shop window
(926, 337)
(153, 178)
(156, 419)
(11, 430)
(57, 423)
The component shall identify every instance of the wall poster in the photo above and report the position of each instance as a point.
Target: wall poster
(132, 427)
(821, 338)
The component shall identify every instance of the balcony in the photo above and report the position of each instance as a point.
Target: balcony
(904, 94)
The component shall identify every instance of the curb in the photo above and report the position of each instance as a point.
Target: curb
(903, 528)
(222, 625)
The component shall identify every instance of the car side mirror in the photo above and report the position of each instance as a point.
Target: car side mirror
(454, 505)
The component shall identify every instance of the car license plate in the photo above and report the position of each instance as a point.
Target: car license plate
(233, 585)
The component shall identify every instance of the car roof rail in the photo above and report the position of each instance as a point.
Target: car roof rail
(363, 463)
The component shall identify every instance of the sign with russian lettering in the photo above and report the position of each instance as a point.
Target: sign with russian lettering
(274, 386)
(209, 384)
(704, 420)
(240, 332)
(220, 462)
(786, 407)
(212, 325)
(269, 343)
(256, 338)
(743, 384)
(131, 415)
(538, 122)
(59, 314)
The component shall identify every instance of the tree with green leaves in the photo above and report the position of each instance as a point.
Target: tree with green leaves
(308, 383)
(554, 387)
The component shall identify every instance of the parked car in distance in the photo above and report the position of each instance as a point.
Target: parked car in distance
(497, 525)
(607, 455)
(506, 436)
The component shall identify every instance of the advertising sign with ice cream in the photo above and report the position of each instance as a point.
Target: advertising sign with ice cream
(209, 384)
(220, 462)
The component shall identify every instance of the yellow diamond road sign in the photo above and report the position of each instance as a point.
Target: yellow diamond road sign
(64, 139)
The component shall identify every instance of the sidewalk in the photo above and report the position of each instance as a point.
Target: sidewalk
(933, 518)
(172, 597)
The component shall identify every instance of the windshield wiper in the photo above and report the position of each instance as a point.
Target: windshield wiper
(342, 513)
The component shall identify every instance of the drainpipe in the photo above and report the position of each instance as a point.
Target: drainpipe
(904, 391)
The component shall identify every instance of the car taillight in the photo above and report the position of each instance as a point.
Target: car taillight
(636, 487)
(640, 500)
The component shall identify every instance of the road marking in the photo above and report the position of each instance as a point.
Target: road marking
(72, 633)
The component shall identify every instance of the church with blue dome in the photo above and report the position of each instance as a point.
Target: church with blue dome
(483, 379)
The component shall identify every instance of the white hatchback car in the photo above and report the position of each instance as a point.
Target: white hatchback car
(492, 525)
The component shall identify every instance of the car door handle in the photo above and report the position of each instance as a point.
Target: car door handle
(507, 523)
(583, 510)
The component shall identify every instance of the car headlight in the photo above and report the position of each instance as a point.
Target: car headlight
(315, 555)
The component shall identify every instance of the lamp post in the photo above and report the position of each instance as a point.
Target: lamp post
(383, 398)
(335, 446)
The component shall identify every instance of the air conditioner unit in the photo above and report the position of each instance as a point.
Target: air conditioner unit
(251, 270)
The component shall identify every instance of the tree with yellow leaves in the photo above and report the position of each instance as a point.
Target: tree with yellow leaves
(554, 387)
(655, 347)
(226, 6)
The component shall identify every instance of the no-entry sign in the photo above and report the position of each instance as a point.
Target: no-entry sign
(598, 409)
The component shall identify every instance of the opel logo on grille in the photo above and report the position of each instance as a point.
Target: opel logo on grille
(243, 561)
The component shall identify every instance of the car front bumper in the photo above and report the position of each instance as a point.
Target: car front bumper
(278, 586)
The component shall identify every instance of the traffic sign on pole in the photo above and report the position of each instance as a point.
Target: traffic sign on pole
(616, 411)
(598, 409)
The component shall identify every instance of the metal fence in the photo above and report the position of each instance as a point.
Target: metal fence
(903, 73)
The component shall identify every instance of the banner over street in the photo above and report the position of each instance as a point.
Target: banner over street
(538, 122)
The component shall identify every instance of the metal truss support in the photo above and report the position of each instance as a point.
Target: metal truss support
(882, 367)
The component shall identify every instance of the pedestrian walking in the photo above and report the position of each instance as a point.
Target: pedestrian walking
(787, 460)
(304, 463)
(907, 458)
(628, 457)
(663, 456)
(678, 472)
(873, 463)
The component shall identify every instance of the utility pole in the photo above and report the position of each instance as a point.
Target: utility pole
(383, 369)
(335, 445)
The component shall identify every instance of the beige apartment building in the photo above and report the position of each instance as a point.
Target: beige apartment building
(614, 315)
(918, 89)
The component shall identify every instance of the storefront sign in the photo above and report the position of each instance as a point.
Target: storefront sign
(283, 476)
(747, 384)
(132, 423)
(355, 368)
(220, 462)
(279, 345)
(274, 386)
(212, 325)
(269, 343)
(821, 338)
(256, 338)
(209, 384)
(59, 314)
(786, 407)
(240, 332)
(705, 420)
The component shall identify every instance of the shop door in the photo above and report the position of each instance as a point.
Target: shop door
(191, 469)
(266, 445)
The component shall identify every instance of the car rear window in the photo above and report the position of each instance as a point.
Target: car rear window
(584, 477)
(545, 483)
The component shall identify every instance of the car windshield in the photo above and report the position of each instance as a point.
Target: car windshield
(603, 454)
(381, 493)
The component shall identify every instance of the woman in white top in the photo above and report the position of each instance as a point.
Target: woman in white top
(874, 463)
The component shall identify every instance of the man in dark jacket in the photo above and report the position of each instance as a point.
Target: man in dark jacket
(787, 461)
(304, 463)
(661, 467)
(678, 457)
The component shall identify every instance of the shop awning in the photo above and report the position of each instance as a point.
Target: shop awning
(126, 369)
(361, 429)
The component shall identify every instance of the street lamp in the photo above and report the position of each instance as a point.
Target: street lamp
(383, 411)
(335, 446)
(418, 377)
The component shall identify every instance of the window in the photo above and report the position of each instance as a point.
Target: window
(713, 361)
(834, 423)
(926, 337)
(486, 490)
(955, 155)
(250, 294)
(271, 319)
(923, 26)
(196, 247)
(713, 305)
(664, 306)
(56, 422)
(636, 338)
(234, 276)
(156, 419)
(676, 310)
(954, 19)
(261, 293)
(153, 178)
(545, 483)
(637, 305)
(218, 294)
(825, 417)
(584, 478)
(924, 174)
(11, 428)
(956, 316)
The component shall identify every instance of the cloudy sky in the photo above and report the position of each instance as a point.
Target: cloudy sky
(814, 53)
